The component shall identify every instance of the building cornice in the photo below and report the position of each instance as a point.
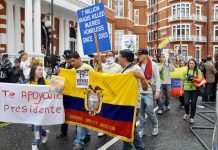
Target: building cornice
(72, 5)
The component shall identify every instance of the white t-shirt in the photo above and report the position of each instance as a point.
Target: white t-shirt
(114, 68)
(26, 69)
(132, 69)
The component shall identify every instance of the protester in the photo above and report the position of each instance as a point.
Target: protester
(40, 134)
(213, 97)
(165, 68)
(17, 75)
(126, 58)
(25, 64)
(210, 79)
(110, 67)
(181, 97)
(190, 91)
(5, 69)
(67, 65)
(156, 58)
(82, 134)
(151, 73)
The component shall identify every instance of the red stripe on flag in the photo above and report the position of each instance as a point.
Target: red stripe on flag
(115, 127)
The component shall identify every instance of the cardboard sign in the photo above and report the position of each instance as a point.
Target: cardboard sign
(30, 104)
(82, 78)
(93, 20)
(129, 42)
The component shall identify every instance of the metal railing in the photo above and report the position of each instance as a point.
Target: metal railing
(193, 17)
(189, 38)
(215, 133)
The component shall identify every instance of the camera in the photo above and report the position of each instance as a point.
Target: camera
(189, 77)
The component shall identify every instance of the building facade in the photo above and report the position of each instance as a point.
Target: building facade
(126, 17)
(24, 25)
(191, 26)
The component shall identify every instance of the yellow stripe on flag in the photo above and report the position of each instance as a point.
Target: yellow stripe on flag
(165, 42)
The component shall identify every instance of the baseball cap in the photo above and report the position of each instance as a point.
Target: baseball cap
(67, 53)
(142, 51)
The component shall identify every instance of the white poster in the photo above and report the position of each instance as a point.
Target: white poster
(129, 42)
(30, 104)
(82, 78)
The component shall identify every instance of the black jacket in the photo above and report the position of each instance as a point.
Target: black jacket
(16, 75)
(5, 71)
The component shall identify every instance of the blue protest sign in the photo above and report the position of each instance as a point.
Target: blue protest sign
(93, 20)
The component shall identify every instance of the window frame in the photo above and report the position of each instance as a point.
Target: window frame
(110, 26)
(178, 9)
(198, 46)
(118, 9)
(130, 15)
(118, 39)
(215, 15)
(136, 15)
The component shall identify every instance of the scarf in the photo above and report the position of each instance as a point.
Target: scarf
(148, 70)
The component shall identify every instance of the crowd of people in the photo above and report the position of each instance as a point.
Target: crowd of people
(153, 74)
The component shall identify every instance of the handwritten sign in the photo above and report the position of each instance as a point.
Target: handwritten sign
(30, 104)
(93, 20)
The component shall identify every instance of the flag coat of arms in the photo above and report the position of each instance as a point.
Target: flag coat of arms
(108, 105)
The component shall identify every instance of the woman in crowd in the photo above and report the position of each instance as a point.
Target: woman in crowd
(181, 97)
(156, 58)
(36, 77)
(190, 91)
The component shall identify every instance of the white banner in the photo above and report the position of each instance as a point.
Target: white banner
(30, 104)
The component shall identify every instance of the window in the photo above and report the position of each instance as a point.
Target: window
(97, 1)
(181, 10)
(198, 31)
(216, 12)
(130, 10)
(148, 19)
(155, 17)
(184, 52)
(181, 30)
(149, 36)
(130, 32)
(155, 1)
(215, 49)
(136, 16)
(109, 4)
(119, 8)
(110, 29)
(216, 32)
(197, 53)
(198, 10)
(149, 52)
(118, 39)
(155, 35)
(149, 3)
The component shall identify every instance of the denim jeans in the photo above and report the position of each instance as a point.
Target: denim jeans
(161, 102)
(147, 106)
(80, 135)
(38, 132)
(137, 142)
(193, 96)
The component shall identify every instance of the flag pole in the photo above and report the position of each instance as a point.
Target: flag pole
(99, 65)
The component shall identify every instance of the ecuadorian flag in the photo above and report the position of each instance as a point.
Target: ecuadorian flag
(114, 113)
(164, 44)
(176, 80)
